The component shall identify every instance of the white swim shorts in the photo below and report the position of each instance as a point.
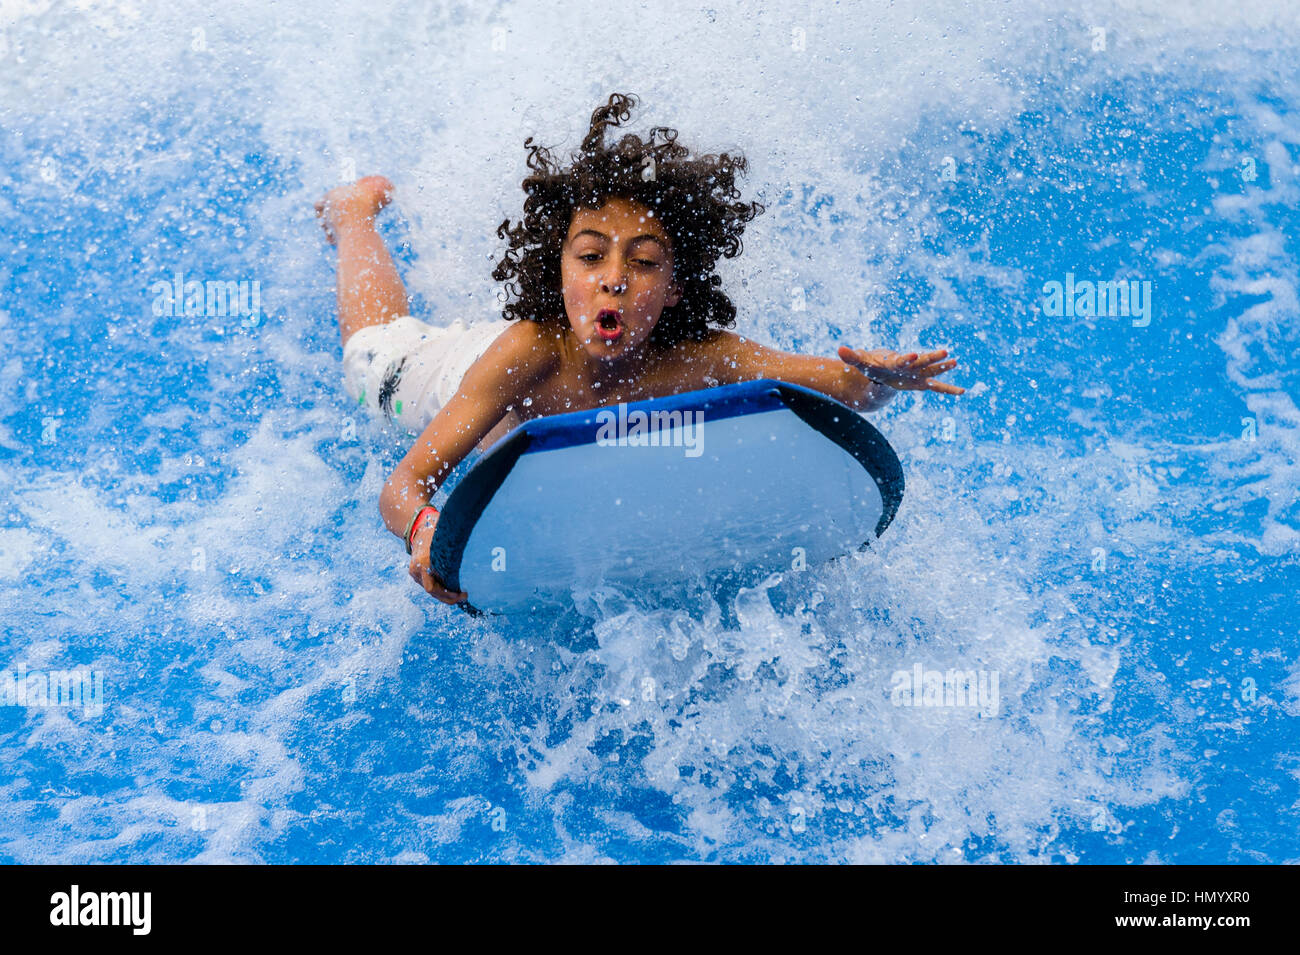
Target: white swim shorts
(407, 371)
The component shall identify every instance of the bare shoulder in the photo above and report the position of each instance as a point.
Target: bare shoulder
(735, 357)
(522, 356)
(719, 341)
(527, 344)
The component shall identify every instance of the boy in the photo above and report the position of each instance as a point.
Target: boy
(616, 300)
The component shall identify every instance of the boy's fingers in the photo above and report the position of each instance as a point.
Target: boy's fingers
(439, 590)
(945, 388)
(926, 359)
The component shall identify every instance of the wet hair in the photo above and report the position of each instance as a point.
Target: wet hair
(695, 200)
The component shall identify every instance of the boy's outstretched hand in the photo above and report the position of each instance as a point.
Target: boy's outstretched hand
(912, 371)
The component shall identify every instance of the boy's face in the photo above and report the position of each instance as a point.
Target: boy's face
(616, 269)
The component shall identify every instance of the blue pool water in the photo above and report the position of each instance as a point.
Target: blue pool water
(1108, 520)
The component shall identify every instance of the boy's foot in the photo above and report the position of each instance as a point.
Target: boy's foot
(355, 202)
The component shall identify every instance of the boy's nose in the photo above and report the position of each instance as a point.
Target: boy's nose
(614, 284)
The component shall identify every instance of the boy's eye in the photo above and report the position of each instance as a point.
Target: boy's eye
(593, 256)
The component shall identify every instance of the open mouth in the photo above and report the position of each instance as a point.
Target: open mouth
(609, 324)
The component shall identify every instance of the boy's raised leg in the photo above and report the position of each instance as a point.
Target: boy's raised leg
(370, 291)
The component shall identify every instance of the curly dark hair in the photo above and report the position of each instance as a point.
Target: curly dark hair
(693, 198)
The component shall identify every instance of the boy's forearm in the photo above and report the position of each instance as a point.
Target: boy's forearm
(833, 377)
(416, 479)
(403, 492)
(435, 454)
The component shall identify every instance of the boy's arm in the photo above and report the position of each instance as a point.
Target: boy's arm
(505, 375)
(863, 380)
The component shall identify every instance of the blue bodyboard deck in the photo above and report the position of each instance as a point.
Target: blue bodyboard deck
(738, 481)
